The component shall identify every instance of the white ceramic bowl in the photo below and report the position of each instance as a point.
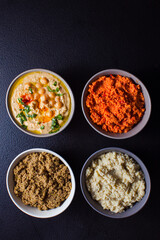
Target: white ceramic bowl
(70, 93)
(34, 212)
(138, 127)
(95, 205)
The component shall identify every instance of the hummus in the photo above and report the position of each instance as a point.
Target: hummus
(116, 181)
(40, 102)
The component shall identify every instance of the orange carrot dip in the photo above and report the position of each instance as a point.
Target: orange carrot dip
(116, 103)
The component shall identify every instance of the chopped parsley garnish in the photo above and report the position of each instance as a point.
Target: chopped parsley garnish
(54, 131)
(22, 117)
(24, 126)
(20, 101)
(27, 109)
(50, 90)
(30, 90)
(59, 94)
(57, 89)
(31, 116)
(21, 121)
(24, 113)
(42, 127)
(59, 117)
(55, 83)
(55, 125)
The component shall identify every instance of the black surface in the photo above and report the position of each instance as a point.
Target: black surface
(76, 39)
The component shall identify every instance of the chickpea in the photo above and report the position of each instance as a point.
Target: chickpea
(34, 104)
(44, 98)
(34, 89)
(51, 103)
(51, 94)
(36, 96)
(38, 85)
(27, 85)
(42, 91)
(41, 105)
(44, 80)
(58, 105)
(57, 98)
(47, 96)
(49, 114)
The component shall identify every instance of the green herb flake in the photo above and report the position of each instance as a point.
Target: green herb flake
(30, 90)
(27, 109)
(59, 117)
(55, 125)
(50, 90)
(34, 115)
(57, 89)
(21, 116)
(31, 116)
(18, 115)
(24, 126)
(55, 83)
(54, 131)
(20, 101)
(59, 94)
(54, 121)
(42, 127)
(21, 121)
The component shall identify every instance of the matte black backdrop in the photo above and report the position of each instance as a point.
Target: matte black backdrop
(77, 39)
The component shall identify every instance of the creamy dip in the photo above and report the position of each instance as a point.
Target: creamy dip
(116, 181)
(40, 102)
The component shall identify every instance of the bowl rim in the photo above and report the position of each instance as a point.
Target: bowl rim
(135, 79)
(72, 193)
(135, 158)
(71, 97)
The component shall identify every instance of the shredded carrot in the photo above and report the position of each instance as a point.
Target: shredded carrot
(116, 103)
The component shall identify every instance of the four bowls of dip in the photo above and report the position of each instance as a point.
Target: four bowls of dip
(114, 102)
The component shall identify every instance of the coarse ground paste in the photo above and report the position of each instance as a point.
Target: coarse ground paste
(116, 103)
(42, 181)
(116, 181)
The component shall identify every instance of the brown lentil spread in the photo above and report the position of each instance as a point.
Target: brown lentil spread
(42, 181)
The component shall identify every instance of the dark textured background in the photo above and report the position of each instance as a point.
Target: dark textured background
(76, 39)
